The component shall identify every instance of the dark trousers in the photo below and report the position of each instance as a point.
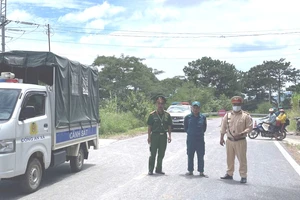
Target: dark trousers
(271, 128)
(195, 145)
(158, 145)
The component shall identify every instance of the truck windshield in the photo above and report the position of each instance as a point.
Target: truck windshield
(8, 99)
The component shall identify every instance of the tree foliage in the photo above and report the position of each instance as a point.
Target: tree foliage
(119, 76)
(189, 92)
(269, 77)
(128, 84)
(214, 73)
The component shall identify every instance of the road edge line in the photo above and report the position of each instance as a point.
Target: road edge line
(288, 157)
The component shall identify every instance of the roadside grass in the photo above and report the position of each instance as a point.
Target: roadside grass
(120, 125)
(293, 123)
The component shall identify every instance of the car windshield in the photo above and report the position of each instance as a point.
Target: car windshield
(179, 109)
(8, 99)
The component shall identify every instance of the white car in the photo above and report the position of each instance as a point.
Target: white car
(178, 112)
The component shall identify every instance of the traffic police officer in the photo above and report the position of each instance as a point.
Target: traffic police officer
(159, 123)
(195, 126)
(236, 124)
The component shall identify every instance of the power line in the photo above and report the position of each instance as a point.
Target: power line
(155, 47)
(233, 57)
(195, 58)
(179, 33)
(133, 33)
(190, 36)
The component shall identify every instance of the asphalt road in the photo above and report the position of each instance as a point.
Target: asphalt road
(118, 170)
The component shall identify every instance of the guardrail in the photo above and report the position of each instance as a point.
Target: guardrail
(252, 114)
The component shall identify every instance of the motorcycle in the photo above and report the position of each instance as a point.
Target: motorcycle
(262, 128)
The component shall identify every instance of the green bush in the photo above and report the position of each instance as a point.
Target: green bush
(263, 108)
(222, 102)
(113, 122)
(138, 104)
(294, 112)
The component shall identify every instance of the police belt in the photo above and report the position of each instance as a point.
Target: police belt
(159, 133)
(232, 139)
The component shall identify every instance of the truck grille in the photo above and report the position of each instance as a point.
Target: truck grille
(177, 118)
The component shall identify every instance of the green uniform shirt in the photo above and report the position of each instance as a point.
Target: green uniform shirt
(159, 123)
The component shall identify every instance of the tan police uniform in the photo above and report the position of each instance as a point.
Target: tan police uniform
(236, 125)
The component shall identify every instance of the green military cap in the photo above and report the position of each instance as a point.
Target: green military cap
(160, 97)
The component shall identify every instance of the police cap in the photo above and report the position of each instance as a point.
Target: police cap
(236, 99)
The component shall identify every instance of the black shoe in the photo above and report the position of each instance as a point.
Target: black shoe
(243, 180)
(203, 175)
(228, 177)
(150, 173)
(189, 173)
(160, 172)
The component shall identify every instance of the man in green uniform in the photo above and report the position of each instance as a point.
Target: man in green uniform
(159, 123)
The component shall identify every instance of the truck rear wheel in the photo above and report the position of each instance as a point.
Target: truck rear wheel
(32, 178)
(76, 162)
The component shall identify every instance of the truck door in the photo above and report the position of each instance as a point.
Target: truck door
(34, 129)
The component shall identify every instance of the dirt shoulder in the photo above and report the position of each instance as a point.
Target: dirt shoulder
(292, 146)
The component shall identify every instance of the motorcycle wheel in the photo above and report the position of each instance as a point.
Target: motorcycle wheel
(253, 134)
(284, 134)
(280, 135)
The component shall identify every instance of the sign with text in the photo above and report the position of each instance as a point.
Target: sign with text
(75, 134)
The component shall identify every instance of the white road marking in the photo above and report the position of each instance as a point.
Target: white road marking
(288, 157)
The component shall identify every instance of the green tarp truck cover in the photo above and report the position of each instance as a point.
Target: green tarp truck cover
(76, 85)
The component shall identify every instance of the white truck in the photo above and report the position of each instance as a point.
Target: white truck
(50, 116)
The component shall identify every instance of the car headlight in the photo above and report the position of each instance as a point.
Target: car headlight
(7, 146)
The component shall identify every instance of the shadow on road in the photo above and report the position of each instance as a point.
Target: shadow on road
(192, 176)
(234, 182)
(264, 139)
(11, 189)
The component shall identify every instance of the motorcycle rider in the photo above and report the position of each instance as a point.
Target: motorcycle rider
(272, 120)
(282, 118)
(277, 113)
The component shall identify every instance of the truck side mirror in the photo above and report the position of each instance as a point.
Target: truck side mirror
(27, 112)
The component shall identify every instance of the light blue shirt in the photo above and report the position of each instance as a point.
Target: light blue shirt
(272, 119)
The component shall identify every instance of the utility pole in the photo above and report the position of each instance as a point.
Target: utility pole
(3, 23)
(48, 32)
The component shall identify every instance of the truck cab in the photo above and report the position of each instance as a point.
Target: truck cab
(25, 127)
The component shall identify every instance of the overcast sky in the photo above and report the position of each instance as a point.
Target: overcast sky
(167, 33)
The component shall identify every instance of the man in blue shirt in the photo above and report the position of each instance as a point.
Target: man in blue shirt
(271, 120)
(195, 126)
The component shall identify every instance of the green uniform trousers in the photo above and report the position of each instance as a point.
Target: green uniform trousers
(158, 143)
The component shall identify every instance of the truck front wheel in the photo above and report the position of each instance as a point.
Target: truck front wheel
(76, 162)
(32, 178)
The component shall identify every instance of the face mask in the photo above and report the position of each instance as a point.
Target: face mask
(236, 108)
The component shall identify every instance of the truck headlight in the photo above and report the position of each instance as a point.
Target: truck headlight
(7, 146)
